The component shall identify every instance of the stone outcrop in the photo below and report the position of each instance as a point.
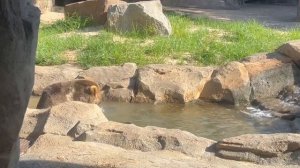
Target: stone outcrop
(117, 82)
(292, 50)
(145, 16)
(171, 84)
(47, 75)
(69, 154)
(270, 73)
(263, 149)
(129, 136)
(76, 90)
(18, 30)
(230, 83)
(96, 10)
(73, 118)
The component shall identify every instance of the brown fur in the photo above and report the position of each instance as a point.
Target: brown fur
(76, 90)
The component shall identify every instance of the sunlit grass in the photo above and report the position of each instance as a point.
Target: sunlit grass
(199, 41)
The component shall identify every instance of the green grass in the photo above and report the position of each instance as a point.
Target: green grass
(199, 41)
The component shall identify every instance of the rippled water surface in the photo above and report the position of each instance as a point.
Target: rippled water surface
(208, 120)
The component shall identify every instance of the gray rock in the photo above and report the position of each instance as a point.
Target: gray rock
(117, 82)
(230, 83)
(119, 95)
(18, 30)
(47, 75)
(270, 73)
(112, 76)
(262, 148)
(171, 84)
(146, 139)
(73, 118)
(140, 16)
(292, 50)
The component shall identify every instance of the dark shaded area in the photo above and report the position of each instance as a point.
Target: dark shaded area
(286, 2)
(51, 164)
(65, 2)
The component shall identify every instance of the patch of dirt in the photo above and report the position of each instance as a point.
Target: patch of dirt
(87, 32)
(119, 39)
(51, 17)
(147, 42)
(193, 29)
(180, 59)
(71, 56)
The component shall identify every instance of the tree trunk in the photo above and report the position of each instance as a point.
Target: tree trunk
(19, 22)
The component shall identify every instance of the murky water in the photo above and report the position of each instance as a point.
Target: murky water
(208, 120)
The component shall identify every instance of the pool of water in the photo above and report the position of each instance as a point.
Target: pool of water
(208, 120)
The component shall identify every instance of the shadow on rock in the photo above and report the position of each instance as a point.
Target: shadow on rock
(51, 164)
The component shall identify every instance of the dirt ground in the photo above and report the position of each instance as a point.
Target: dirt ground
(274, 16)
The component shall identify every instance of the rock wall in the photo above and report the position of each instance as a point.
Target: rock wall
(19, 22)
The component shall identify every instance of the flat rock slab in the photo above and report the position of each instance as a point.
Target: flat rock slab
(171, 84)
(73, 118)
(112, 76)
(262, 148)
(129, 136)
(53, 151)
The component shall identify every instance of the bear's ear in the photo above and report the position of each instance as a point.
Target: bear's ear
(93, 90)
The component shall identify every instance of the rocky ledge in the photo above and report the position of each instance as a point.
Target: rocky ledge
(76, 134)
(255, 79)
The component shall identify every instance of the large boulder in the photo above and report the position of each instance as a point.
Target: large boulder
(291, 49)
(18, 30)
(270, 73)
(47, 75)
(229, 83)
(171, 84)
(73, 118)
(146, 139)
(262, 148)
(117, 82)
(93, 9)
(145, 16)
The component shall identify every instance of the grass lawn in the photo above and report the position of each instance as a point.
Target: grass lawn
(199, 41)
